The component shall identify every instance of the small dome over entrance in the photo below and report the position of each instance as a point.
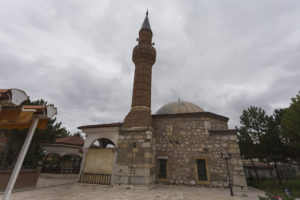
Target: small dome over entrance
(179, 107)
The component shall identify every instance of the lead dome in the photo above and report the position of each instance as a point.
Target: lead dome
(179, 107)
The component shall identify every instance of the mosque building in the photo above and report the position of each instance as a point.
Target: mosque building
(180, 144)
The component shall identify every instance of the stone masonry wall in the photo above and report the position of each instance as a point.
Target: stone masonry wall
(184, 139)
(135, 158)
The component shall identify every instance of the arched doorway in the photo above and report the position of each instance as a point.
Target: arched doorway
(70, 164)
(99, 161)
(51, 163)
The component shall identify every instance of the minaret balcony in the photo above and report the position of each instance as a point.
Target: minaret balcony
(144, 53)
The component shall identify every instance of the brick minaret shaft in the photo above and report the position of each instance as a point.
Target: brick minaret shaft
(143, 56)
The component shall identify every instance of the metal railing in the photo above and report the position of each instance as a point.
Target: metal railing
(95, 178)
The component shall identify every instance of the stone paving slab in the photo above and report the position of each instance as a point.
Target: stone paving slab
(159, 192)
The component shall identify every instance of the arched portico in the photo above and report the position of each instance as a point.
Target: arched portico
(99, 154)
(63, 156)
(61, 164)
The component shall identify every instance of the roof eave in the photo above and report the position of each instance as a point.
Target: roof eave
(194, 114)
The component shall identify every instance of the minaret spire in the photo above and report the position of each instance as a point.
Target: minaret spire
(146, 24)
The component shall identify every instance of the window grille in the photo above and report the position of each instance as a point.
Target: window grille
(162, 168)
(201, 167)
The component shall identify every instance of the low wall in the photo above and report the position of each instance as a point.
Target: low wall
(263, 173)
(286, 171)
(26, 178)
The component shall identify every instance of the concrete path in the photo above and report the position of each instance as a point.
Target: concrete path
(159, 192)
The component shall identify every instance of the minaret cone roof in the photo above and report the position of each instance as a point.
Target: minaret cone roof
(146, 24)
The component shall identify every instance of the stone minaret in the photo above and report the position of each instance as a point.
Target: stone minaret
(135, 163)
(143, 56)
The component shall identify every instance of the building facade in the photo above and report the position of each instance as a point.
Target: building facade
(180, 144)
(64, 156)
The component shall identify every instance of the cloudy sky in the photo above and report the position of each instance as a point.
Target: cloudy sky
(221, 55)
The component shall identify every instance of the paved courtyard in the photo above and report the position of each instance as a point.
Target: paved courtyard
(159, 192)
(56, 179)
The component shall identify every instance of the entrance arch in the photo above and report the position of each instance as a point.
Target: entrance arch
(102, 143)
(99, 161)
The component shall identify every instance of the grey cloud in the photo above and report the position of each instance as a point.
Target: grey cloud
(222, 55)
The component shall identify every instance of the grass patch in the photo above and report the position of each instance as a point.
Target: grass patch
(273, 186)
